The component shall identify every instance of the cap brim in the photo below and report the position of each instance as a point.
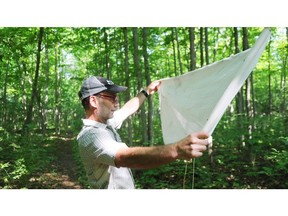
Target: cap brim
(117, 89)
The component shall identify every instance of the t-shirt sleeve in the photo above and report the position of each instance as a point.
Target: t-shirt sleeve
(116, 121)
(99, 146)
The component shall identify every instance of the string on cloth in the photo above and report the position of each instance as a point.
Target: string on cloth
(197, 100)
(193, 173)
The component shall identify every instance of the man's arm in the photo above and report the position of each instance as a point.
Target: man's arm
(135, 103)
(191, 146)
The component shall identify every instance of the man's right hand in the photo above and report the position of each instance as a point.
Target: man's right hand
(192, 146)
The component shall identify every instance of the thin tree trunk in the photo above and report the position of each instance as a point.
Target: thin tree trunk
(201, 48)
(97, 59)
(127, 83)
(2, 102)
(46, 97)
(169, 72)
(178, 51)
(174, 52)
(41, 111)
(269, 81)
(249, 106)
(28, 120)
(57, 111)
(107, 58)
(23, 79)
(206, 46)
(139, 83)
(249, 88)
(216, 44)
(239, 97)
(283, 106)
(284, 102)
(148, 81)
(192, 49)
(4, 107)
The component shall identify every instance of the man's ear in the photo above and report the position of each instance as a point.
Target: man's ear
(93, 102)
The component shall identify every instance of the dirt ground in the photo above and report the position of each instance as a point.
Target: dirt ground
(63, 169)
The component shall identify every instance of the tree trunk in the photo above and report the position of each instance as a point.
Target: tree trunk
(284, 103)
(139, 83)
(46, 97)
(192, 49)
(283, 85)
(148, 81)
(57, 102)
(174, 52)
(169, 71)
(178, 51)
(249, 105)
(249, 81)
(23, 80)
(28, 120)
(249, 108)
(236, 41)
(107, 58)
(127, 83)
(216, 41)
(41, 111)
(206, 46)
(201, 48)
(96, 58)
(4, 107)
(239, 97)
(269, 81)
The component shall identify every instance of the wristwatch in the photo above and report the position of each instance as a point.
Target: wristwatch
(144, 92)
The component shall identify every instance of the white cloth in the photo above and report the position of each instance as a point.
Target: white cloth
(197, 100)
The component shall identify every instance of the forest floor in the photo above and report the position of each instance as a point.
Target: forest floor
(62, 173)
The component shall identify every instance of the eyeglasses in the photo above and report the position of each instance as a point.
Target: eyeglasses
(113, 98)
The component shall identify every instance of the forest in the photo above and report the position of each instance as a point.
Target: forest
(42, 69)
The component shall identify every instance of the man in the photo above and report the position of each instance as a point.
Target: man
(107, 160)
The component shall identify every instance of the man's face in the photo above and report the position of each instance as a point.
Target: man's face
(107, 104)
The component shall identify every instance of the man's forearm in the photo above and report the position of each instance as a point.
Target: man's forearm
(191, 146)
(135, 103)
(146, 157)
(132, 105)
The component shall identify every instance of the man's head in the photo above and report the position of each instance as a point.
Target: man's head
(95, 85)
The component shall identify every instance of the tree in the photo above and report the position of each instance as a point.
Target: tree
(57, 89)
(107, 58)
(138, 73)
(28, 120)
(192, 49)
(201, 48)
(148, 81)
(127, 81)
(178, 51)
(206, 46)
